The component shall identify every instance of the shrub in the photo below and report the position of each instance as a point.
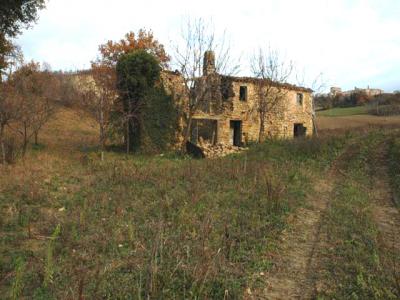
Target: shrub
(394, 157)
(385, 110)
(49, 263)
(150, 113)
(10, 149)
(18, 281)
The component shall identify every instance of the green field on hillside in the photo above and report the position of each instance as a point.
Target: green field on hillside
(343, 111)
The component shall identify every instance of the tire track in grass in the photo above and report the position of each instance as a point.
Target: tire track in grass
(362, 260)
(386, 215)
(290, 279)
(296, 272)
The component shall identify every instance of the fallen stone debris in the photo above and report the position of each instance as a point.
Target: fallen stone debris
(219, 150)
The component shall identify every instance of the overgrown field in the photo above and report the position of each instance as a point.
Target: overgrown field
(165, 227)
(394, 156)
(357, 262)
(344, 111)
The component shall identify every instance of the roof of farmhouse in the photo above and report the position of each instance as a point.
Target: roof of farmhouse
(272, 83)
(253, 80)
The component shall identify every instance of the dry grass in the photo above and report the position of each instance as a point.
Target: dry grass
(148, 226)
(61, 144)
(355, 121)
(69, 131)
(167, 226)
(357, 262)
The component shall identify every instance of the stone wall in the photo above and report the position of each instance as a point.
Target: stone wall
(279, 122)
(174, 85)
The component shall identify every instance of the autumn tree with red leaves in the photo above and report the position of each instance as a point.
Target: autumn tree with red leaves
(104, 99)
(111, 51)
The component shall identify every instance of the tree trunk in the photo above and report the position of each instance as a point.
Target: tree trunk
(25, 144)
(128, 140)
(128, 126)
(102, 142)
(3, 152)
(261, 133)
(187, 133)
(36, 137)
(315, 125)
(102, 138)
(3, 148)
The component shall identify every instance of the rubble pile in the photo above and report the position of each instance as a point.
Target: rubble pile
(218, 150)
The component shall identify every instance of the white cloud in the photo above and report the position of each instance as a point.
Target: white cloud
(354, 43)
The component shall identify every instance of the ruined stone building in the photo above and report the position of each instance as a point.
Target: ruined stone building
(229, 112)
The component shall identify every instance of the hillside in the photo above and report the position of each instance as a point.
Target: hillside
(343, 111)
(308, 218)
(353, 117)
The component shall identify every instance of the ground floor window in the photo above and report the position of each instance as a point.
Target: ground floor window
(299, 130)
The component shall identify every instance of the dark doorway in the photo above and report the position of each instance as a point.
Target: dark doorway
(236, 133)
(299, 130)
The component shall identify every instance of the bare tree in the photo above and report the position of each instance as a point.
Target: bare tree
(272, 73)
(9, 98)
(26, 101)
(35, 89)
(198, 37)
(25, 83)
(98, 96)
(44, 103)
(9, 112)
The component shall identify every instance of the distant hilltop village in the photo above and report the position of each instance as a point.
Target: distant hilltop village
(336, 91)
(356, 97)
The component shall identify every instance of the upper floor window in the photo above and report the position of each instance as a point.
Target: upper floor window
(299, 99)
(243, 93)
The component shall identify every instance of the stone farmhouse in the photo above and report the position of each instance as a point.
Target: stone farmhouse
(228, 115)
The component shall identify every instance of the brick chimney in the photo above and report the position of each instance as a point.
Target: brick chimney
(209, 63)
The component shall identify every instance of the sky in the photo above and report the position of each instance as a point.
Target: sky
(350, 42)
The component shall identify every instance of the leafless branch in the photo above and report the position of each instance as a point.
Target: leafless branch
(197, 37)
(273, 72)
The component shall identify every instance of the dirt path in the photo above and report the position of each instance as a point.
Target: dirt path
(385, 214)
(292, 276)
(295, 275)
(297, 272)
